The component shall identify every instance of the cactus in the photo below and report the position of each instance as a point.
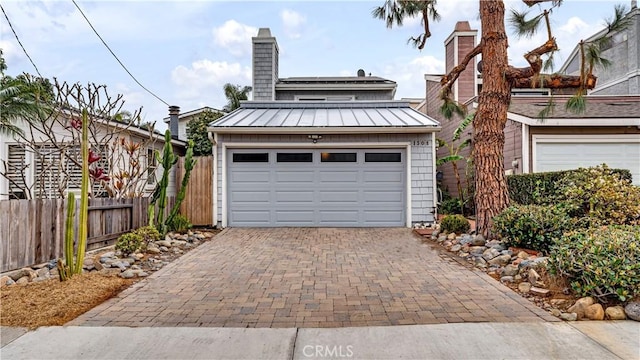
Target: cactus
(168, 159)
(70, 268)
(189, 163)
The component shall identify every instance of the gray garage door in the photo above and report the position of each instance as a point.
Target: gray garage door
(319, 187)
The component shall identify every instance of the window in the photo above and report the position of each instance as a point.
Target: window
(382, 157)
(324, 98)
(295, 157)
(15, 169)
(56, 171)
(151, 166)
(251, 157)
(338, 157)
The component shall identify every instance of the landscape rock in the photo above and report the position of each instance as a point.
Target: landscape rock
(558, 302)
(506, 279)
(615, 313)
(539, 291)
(6, 281)
(25, 272)
(451, 236)
(556, 312)
(479, 240)
(442, 238)
(128, 274)
(480, 262)
(153, 250)
(489, 254)
(580, 306)
(569, 316)
(524, 287)
(523, 255)
(23, 280)
(164, 243)
(510, 270)
(533, 276)
(466, 239)
(632, 310)
(594, 312)
(477, 250)
(501, 260)
(456, 248)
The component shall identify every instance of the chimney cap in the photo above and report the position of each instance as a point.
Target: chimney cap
(174, 110)
(463, 26)
(361, 73)
(264, 32)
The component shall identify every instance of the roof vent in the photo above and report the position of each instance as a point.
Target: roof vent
(360, 73)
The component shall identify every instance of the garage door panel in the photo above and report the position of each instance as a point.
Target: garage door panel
(294, 197)
(345, 197)
(295, 217)
(251, 196)
(328, 176)
(295, 177)
(317, 193)
(250, 176)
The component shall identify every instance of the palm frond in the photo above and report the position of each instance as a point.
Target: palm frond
(463, 125)
(450, 107)
(547, 110)
(618, 22)
(593, 54)
(576, 104)
(440, 143)
(522, 26)
(447, 159)
(464, 144)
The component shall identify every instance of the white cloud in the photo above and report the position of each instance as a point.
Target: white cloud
(201, 83)
(234, 37)
(10, 52)
(410, 74)
(292, 22)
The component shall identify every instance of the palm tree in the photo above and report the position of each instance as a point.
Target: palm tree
(235, 94)
(24, 97)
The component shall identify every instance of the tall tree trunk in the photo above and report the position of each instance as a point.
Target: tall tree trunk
(491, 195)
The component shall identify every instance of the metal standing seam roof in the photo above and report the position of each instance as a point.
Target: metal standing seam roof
(323, 114)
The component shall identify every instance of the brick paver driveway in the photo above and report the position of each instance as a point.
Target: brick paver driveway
(304, 277)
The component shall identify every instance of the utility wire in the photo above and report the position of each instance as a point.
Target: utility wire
(18, 39)
(116, 57)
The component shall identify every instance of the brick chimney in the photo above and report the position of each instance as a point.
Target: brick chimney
(174, 111)
(461, 41)
(265, 65)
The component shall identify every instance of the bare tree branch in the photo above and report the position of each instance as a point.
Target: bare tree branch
(448, 80)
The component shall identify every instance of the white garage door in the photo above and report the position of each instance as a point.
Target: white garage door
(553, 154)
(316, 187)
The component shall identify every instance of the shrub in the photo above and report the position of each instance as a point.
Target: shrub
(543, 188)
(532, 226)
(148, 234)
(179, 223)
(601, 194)
(130, 243)
(454, 223)
(601, 262)
(451, 206)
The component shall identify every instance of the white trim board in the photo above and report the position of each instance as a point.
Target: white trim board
(574, 121)
(269, 145)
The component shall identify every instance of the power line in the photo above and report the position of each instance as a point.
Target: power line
(19, 42)
(116, 57)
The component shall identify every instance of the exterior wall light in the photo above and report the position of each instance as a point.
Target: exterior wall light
(314, 137)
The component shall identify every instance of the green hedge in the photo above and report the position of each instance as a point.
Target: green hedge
(542, 188)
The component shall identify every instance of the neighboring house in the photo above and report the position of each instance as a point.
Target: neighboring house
(47, 168)
(322, 151)
(623, 76)
(608, 132)
(180, 127)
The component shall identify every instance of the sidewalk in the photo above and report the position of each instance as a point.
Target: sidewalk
(579, 340)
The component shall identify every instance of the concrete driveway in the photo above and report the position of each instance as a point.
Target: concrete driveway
(307, 277)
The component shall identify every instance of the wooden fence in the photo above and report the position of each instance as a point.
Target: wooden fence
(197, 205)
(32, 231)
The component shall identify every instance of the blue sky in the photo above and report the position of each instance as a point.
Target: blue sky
(185, 51)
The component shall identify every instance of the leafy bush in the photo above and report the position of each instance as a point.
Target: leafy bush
(148, 234)
(543, 188)
(130, 243)
(454, 223)
(179, 223)
(601, 262)
(532, 226)
(451, 206)
(601, 194)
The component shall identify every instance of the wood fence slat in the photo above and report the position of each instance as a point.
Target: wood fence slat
(14, 234)
(5, 245)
